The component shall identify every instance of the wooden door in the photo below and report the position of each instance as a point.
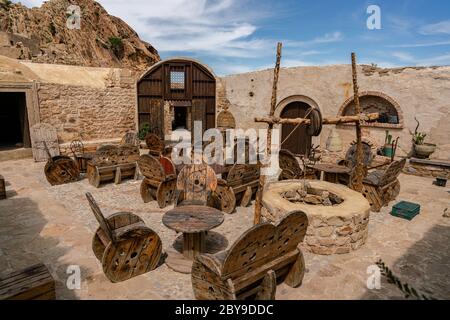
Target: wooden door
(44, 135)
(299, 142)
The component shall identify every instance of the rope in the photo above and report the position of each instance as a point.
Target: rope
(297, 126)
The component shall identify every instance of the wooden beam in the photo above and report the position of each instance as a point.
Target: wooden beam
(357, 179)
(326, 121)
(273, 104)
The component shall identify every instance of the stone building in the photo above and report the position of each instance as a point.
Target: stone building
(99, 105)
(96, 105)
(400, 95)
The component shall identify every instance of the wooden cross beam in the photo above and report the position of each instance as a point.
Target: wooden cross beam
(326, 121)
(273, 105)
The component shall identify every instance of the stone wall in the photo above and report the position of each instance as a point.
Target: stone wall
(87, 113)
(419, 92)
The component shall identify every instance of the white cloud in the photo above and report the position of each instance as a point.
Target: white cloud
(443, 59)
(421, 45)
(436, 28)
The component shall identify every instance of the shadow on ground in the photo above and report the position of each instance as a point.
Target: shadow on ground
(425, 267)
(25, 240)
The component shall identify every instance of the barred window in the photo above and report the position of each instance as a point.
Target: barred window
(177, 80)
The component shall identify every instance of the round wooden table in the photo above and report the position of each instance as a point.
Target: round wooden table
(193, 221)
(331, 171)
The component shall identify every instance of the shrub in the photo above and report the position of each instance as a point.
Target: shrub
(117, 47)
(145, 129)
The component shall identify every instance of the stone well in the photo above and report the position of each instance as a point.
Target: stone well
(333, 228)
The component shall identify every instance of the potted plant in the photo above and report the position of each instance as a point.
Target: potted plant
(388, 148)
(422, 150)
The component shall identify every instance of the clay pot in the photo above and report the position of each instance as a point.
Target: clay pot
(425, 150)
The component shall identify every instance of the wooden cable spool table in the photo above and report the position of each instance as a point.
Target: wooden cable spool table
(331, 171)
(193, 221)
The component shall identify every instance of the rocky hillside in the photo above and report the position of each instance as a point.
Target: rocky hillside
(41, 35)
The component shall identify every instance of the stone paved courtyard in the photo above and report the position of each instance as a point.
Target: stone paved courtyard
(54, 225)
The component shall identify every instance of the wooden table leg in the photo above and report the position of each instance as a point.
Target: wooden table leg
(193, 244)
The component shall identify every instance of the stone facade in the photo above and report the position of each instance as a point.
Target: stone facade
(87, 113)
(416, 92)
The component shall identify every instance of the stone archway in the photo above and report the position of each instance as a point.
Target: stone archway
(376, 102)
(298, 142)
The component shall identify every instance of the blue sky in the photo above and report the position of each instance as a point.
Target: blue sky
(234, 36)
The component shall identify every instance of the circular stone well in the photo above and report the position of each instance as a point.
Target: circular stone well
(333, 229)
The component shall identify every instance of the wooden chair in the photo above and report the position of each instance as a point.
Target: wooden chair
(289, 165)
(155, 144)
(131, 137)
(160, 179)
(240, 185)
(251, 268)
(195, 185)
(350, 162)
(382, 186)
(124, 245)
(112, 163)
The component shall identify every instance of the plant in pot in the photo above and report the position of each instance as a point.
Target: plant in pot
(388, 148)
(422, 150)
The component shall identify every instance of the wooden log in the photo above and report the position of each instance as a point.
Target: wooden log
(326, 121)
(357, 179)
(273, 104)
(268, 287)
(33, 283)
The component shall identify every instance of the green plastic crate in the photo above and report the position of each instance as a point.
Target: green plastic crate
(406, 210)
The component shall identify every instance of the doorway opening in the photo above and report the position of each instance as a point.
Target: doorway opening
(14, 128)
(296, 140)
(180, 118)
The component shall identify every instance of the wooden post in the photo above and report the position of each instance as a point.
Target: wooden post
(358, 177)
(273, 104)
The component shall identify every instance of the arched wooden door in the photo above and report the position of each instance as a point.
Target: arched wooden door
(299, 142)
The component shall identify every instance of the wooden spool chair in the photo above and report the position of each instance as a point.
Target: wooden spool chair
(131, 137)
(383, 186)
(289, 165)
(350, 161)
(155, 144)
(250, 269)
(112, 163)
(160, 180)
(195, 185)
(239, 187)
(60, 169)
(124, 245)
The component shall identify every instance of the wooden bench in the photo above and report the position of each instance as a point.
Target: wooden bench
(2, 188)
(382, 186)
(240, 185)
(124, 245)
(160, 179)
(261, 257)
(33, 283)
(113, 163)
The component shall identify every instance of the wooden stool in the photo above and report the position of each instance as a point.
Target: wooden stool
(33, 283)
